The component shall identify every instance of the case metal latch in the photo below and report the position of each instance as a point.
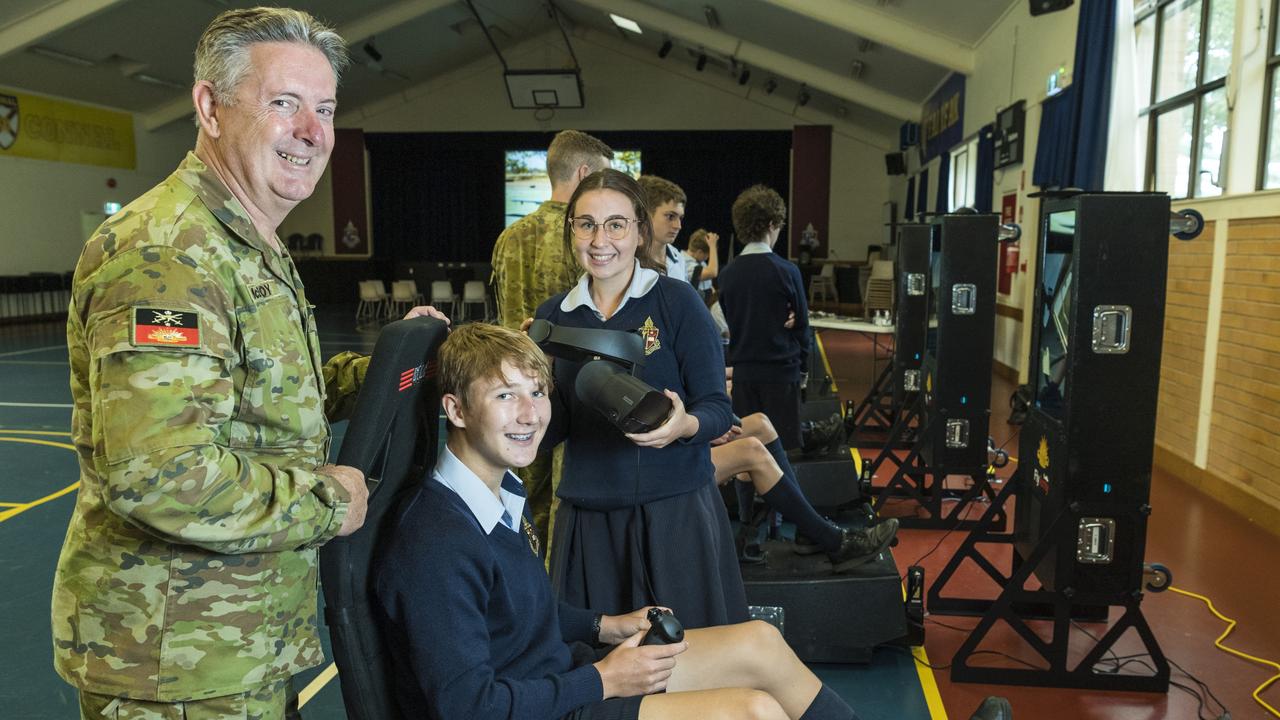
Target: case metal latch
(1095, 540)
(915, 283)
(911, 380)
(957, 433)
(1111, 325)
(964, 299)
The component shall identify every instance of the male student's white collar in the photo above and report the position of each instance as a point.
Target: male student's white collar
(479, 499)
(755, 248)
(642, 281)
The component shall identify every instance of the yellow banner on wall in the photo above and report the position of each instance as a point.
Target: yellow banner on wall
(46, 129)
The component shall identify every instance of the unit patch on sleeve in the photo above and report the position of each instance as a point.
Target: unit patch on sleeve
(165, 327)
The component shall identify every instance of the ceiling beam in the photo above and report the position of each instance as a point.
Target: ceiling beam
(41, 24)
(367, 26)
(761, 57)
(879, 27)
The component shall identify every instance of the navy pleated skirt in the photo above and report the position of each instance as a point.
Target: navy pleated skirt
(676, 552)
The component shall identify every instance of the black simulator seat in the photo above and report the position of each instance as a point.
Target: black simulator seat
(392, 438)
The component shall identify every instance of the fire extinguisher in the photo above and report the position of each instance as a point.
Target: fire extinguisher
(1010, 258)
(1008, 266)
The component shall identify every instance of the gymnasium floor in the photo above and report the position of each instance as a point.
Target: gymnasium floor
(1203, 543)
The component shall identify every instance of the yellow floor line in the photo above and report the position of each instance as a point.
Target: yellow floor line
(18, 509)
(928, 685)
(317, 684)
(4, 504)
(825, 363)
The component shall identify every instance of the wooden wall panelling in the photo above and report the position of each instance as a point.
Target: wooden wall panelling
(1182, 364)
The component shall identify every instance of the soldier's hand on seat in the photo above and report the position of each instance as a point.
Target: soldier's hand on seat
(352, 480)
(427, 311)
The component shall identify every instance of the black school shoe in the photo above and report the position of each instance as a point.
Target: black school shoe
(858, 547)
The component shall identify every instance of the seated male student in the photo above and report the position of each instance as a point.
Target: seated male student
(467, 607)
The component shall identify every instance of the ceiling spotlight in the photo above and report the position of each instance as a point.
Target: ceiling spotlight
(803, 98)
(745, 76)
(770, 86)
(856, 69)
(372, 52)
(713, 18)
(702, 61)
(665, 49)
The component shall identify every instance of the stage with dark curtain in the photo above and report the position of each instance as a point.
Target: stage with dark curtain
(439, 196)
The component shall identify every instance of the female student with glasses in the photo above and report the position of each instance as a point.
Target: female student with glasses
(641, 521)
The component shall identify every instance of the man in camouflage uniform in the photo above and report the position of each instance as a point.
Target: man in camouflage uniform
(187, 583)
(530, 265)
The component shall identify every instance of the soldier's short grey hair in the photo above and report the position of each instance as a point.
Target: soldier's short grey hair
(222, 54)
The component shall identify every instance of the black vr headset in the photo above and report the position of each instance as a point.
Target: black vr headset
(606, 382)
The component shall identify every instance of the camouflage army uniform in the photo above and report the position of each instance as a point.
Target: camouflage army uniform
(189, 566)
(529, 263)
(529, 266)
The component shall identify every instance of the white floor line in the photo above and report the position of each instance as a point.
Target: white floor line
(42, 405)
(33, 350)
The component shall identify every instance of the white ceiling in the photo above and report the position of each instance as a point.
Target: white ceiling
(815, 42)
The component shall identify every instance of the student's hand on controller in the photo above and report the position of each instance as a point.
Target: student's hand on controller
(427, 311)
(631, 669)
(616, 628)
(679, 425)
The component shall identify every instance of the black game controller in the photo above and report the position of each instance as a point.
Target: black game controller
(664, 628)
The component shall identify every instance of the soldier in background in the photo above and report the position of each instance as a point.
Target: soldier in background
(187, 583)
(530, 265)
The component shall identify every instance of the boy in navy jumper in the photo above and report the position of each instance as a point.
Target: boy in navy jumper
(761, 294)
(666, 200)
(468, 610)
(757, 291)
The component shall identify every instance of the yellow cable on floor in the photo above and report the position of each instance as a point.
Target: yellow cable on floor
(1231, 625)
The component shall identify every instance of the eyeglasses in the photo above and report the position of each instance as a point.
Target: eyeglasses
(615, 228)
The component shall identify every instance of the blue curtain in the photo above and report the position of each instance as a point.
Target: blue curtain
(944, 178)
(910, 214)
(1073, 124)
(984, 182)
(922, 193)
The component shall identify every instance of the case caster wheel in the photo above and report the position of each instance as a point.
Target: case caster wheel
(1156, 577)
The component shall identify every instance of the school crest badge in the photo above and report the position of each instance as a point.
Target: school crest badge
(649, 332)
(8, 121)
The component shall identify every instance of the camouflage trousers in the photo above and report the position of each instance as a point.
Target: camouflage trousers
(276, 701)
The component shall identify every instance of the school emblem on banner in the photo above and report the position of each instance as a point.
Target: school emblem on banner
(649, 332)
(162, 326)
(8, 121)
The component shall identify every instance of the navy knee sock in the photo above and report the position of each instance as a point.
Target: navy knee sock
(746, 501)
(828, 706)
(787, 498)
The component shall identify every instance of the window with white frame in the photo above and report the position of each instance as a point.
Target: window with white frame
(964, 173)
(1269, 159)
(1184, 52)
